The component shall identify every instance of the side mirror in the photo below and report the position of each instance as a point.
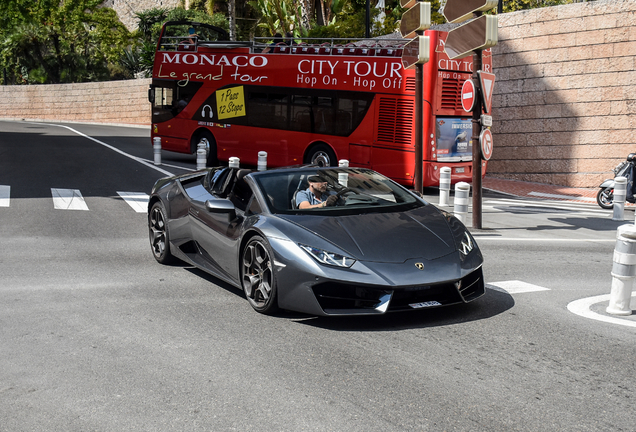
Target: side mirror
(151, 94)
(221, 206)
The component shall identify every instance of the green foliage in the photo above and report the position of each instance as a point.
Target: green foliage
(515, 5)
(53, 41)
(150, 23)
(277, 16)
(347, 26)
(149, 18)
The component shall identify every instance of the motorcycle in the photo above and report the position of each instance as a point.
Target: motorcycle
(605, 196)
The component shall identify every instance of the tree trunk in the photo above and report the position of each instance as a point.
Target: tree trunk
(231, 11)
(307, 12)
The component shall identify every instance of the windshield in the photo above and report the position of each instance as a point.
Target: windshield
(357, 190)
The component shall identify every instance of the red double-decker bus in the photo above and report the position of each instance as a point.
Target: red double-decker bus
(310, 102)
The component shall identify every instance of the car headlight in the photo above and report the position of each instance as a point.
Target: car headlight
(328, 258)
(467, 244)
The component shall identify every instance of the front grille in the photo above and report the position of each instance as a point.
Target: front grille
(473, 286)
(336, 297)
(445, 293)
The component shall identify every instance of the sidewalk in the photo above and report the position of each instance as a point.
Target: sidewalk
(540, 190)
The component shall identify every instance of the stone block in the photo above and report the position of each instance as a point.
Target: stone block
(604, 21)
(624, 48)
(560, 40)
(549, 111)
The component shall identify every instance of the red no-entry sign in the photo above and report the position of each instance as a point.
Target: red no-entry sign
(468, 95)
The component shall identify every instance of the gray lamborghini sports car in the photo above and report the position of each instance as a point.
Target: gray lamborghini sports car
(380, 248)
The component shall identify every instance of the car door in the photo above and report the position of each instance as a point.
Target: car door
(216, 225)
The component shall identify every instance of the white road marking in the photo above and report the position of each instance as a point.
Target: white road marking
(5, 194)
(582, 308)
(515, 287)
(68, 199)
(137, 200)
(140, 160)
(481, 238)
(568, 197)
(581, 208)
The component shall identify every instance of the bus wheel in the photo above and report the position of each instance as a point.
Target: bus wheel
(208, 140)
(321, 155)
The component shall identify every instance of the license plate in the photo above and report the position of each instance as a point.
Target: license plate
(460, 170)
(425, 304)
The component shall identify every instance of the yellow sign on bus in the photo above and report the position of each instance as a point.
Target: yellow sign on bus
(230, 102)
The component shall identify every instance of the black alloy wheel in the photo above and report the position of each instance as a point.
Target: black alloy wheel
(158, 232)
(257, 275)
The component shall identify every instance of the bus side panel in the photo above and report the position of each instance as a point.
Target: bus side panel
(395, 163)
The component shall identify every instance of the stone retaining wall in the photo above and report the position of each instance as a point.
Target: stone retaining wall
(564, 100)
(118, 102)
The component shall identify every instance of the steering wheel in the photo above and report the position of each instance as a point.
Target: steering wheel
(343, 190)
(339, 194)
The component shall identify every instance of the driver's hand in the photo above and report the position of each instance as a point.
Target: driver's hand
(331, 201)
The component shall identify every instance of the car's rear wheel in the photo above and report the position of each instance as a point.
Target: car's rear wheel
(158, 232)
(257, 275)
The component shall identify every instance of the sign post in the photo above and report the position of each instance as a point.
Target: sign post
(478, 34)
(414, 22)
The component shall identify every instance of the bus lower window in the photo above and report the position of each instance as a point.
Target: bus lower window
(170, 99)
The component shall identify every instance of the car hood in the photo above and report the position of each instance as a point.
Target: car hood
(384, 237)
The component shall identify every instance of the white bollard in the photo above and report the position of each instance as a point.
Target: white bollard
(157, 149)
(462, 190)
(201, 158)
(623, 271)
(262, 161)
(343, 178)
(444, 185)
(234, 162)
(620, 193)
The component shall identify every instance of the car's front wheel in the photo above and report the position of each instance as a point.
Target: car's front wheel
(257, 275)
(158, 232)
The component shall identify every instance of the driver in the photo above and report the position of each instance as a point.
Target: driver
(316, 195)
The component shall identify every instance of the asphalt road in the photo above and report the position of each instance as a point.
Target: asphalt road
(95, 335)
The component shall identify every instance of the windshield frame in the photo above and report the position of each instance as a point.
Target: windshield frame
(277, 188)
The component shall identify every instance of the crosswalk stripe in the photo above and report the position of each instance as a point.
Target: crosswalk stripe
(137, 200)
(5, 194)
(515, 287)
(68, 199)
